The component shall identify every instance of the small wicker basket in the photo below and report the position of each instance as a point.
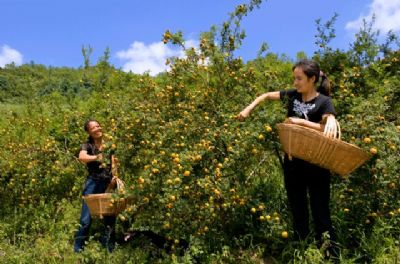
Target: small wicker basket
(105, 204)
(313, 146)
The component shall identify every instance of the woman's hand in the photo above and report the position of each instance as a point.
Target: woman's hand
(331, 128)
(113, 183)
(244, 114)
(114, 180)
(99, 157)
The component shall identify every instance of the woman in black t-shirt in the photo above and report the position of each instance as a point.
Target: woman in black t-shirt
(305, 183)
(100, 176)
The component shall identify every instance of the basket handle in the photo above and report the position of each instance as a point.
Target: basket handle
(332, 128)
(120, 184)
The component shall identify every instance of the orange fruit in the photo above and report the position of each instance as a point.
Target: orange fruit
(367, 140)
(373, 150)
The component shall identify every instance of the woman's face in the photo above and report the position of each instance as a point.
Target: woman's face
(95, 130)
(302, 83)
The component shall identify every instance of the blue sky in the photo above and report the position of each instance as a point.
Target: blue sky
(52, 32)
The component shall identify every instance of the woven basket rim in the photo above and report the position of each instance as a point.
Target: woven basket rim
(320, 134)
(97, 201)
(96, 195)
(358, 155)
(106, 195)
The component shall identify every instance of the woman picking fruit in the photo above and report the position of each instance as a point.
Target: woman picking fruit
(305, 183)
(100, 177)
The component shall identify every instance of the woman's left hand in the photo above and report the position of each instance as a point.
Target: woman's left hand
(113, 183)
(331, 127)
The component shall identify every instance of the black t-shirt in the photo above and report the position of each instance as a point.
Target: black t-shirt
(312, 110)
(95, 168)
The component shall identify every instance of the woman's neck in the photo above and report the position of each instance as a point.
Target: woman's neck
(308, 96)
(98, 142)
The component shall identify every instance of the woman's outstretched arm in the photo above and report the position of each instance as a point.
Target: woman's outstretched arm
(270, 96)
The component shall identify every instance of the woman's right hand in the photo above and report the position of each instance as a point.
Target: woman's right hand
(243, 115)
(99, 157)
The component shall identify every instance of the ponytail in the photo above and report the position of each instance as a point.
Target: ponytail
(325, 85)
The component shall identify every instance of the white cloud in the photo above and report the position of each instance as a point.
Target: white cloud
(191, 43)
(9, 55)
(387, 16)
(140, 57)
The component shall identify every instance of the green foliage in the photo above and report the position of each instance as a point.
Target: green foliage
(365, 49)
(326, 33)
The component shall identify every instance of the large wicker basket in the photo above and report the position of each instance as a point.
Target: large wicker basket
(313, 146)
(105, 204)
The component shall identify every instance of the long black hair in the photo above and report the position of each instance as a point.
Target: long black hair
(310, 69)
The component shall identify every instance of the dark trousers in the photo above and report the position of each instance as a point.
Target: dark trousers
(307, 184)
(108, 233)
